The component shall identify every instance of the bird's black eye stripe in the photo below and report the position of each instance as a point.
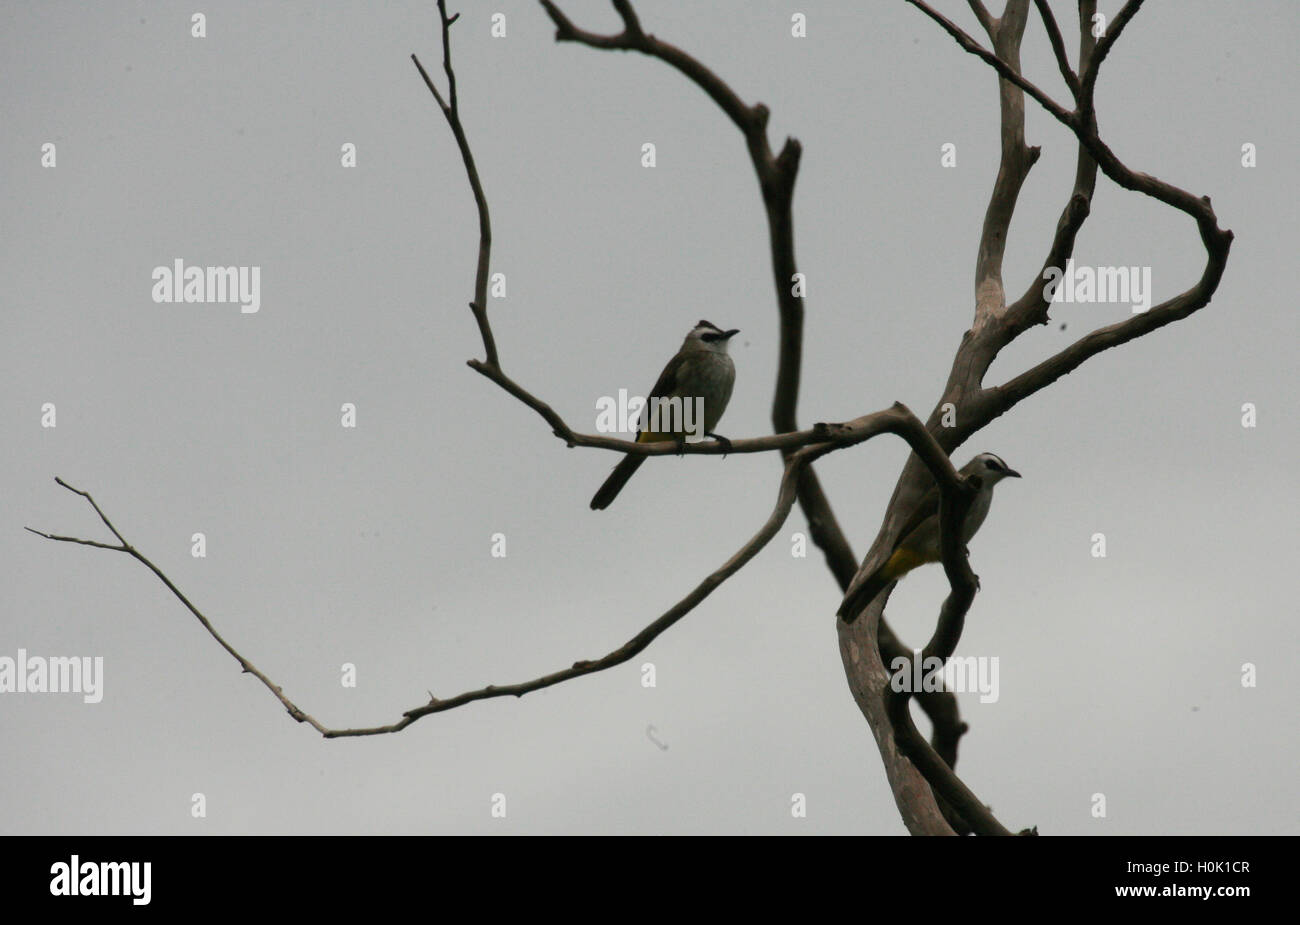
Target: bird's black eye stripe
(994, 465)
(710, 337)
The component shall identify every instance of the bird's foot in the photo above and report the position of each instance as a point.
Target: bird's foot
(725, 443)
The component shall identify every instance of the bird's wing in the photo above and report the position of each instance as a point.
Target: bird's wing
(927, 507)
(929, 503)
(667, 381)
(664, 387)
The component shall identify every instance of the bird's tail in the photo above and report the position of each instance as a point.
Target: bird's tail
(614, 484)
(857, 602)
(898, 565)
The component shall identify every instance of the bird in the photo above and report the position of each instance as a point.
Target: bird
(920, 541)
(701, 371)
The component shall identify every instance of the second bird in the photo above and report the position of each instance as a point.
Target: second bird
(921, 541)
(701, 370)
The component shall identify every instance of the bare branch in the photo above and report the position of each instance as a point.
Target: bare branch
(896, 420)
(1088, 83)
(972, 46)
(786, 442)
(941, 777)
(977, 354)
(127, 548)
(631, 24)
(1084, 122)
(454, 108)
(954, 503)
(73, 539)
(986, 21)
(1032, 307)
(1017, 159)
(632, 38)
(451, 110)
(107, 523)
(999, 399)
(1058, 47)
(639, 642)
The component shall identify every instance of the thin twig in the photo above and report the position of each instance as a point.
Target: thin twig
(451, 110)
(896, 420)
(1058, 47)
(1004, 69)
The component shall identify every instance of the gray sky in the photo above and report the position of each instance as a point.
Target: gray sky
(372, 545)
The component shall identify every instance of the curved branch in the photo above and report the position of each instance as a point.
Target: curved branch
(999, 399)
(785, 500)
(896, 420)
(632, 38)
(451, 110)
(941, 777)
(776, 178)
(1032, 306)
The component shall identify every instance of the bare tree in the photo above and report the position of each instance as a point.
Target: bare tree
(930, 796)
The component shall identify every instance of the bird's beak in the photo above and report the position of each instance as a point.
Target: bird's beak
(1012, 473)
(729, 334)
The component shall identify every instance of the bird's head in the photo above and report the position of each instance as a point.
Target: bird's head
(709, 336)
(990, 469)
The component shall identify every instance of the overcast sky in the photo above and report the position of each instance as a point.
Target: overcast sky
(372, 545)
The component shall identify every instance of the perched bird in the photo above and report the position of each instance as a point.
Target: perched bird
(700, 370)
(920, 541)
